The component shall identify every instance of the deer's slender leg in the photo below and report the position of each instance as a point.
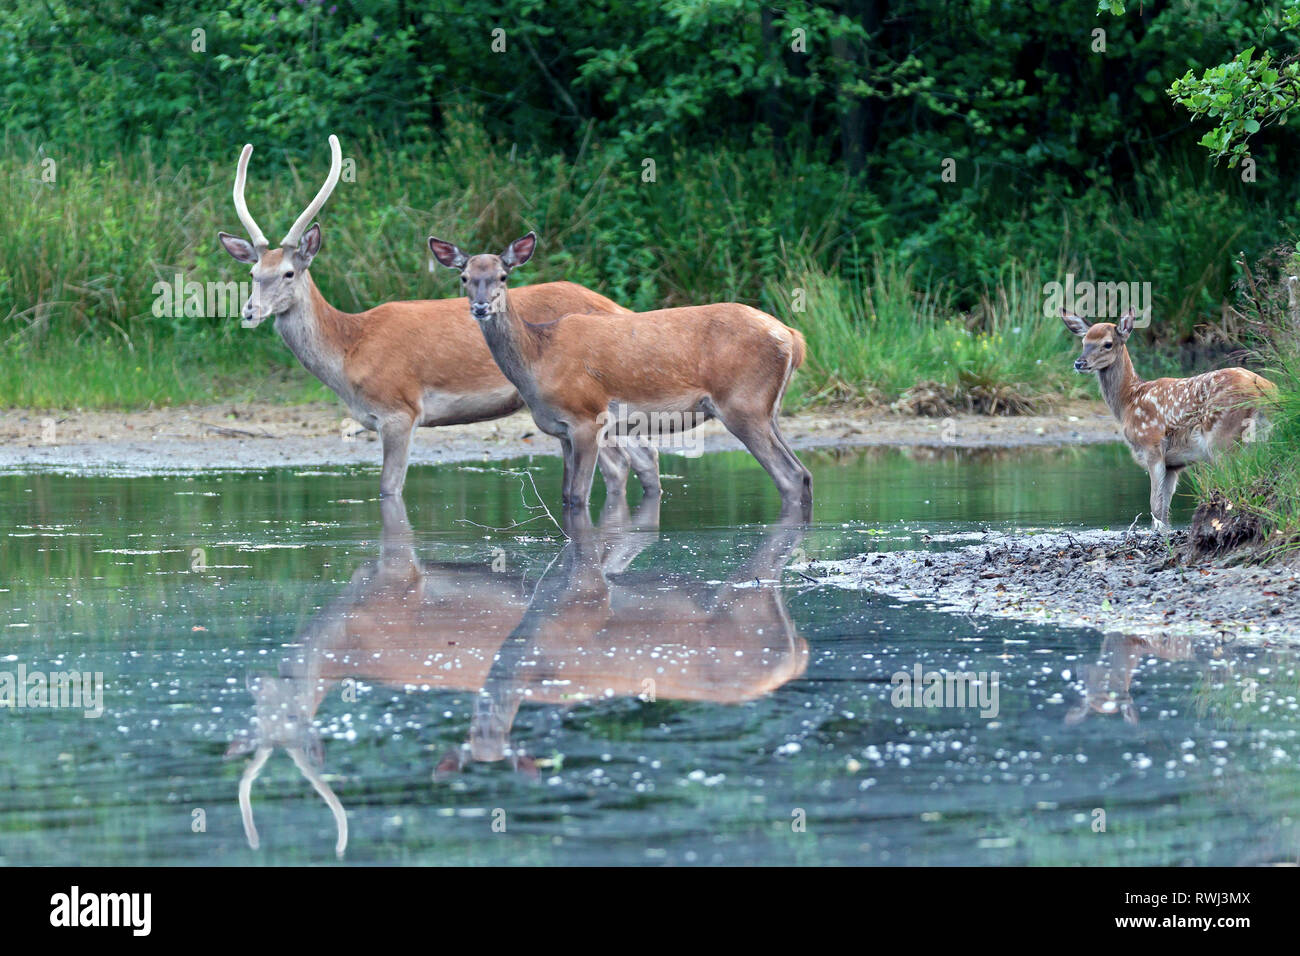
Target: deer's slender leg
(645, 462)
(1167, 489)
(1159, 513)
(566, 451)
(584, 442)
(805, 476)
(614, 462)
(787, 472)
(395, 434)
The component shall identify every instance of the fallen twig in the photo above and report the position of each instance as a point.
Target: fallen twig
(234, 432)
(540, 505)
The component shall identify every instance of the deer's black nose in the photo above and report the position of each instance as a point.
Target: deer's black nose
(1080, 366)
(479, 309)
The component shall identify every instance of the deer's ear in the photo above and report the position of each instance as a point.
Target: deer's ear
(1074, 323)
(308, 246)
(447, 253)
(519, 251)
(240, 249)
(1125, 324)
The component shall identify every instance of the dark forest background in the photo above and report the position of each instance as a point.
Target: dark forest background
(797, 154)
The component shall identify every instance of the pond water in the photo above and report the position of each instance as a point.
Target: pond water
(669, 693)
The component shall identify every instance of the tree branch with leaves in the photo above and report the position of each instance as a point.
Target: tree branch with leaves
(1255, 89)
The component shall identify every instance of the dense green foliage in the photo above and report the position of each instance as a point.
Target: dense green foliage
(1256, 88)
(1253, 496)
(794, 148)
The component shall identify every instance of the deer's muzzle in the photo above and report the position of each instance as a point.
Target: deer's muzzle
(252, 315)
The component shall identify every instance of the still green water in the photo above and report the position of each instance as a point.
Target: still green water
(665, 695)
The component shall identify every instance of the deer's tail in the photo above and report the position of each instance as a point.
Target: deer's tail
(800, 349)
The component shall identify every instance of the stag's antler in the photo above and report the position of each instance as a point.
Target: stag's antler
(291, 239)
(241, 206)
(294, 235)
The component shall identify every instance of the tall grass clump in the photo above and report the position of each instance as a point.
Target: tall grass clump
(898, 337)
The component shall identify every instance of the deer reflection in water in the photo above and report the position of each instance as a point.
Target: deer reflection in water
(590, 628)
(1107, 683)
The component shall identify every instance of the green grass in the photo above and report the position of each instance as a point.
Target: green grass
(81, 256)
(872, 342)
(890, 301)
(111, 375)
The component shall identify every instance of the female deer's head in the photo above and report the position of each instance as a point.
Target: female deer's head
(483, 277)
(278, 274)
(1102, 342)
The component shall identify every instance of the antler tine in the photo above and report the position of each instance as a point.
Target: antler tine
(323, 788)
(241, 206)
(246, 794)
(336, 166)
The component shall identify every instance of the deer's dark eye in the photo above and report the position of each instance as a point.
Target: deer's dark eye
(1109, 344)
(289, 274)
(502, 277)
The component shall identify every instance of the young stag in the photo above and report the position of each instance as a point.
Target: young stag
(400, 364)
(1171, 422)
(676, 366)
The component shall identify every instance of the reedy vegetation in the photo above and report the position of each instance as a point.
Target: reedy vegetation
(80, 259)
(776, 169)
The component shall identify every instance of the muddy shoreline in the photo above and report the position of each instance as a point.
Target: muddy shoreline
(1131, 581)
(256, 436)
